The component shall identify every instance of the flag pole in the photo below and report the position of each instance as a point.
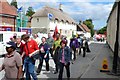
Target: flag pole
(21, 20)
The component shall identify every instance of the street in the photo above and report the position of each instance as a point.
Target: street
(88, 67)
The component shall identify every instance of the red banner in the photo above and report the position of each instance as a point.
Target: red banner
(55, 33)
(6, 28)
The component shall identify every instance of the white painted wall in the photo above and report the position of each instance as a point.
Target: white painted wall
(44, 22)
(39, 22)
(61, 25)
(111, 29)
(66, 28)
(87, 34)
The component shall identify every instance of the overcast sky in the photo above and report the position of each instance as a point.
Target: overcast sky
(97, 10)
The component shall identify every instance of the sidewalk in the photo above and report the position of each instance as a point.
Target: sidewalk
(93, 71)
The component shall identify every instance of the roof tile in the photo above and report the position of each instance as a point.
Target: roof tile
(85, 27)
(57, 14)
(6, 8)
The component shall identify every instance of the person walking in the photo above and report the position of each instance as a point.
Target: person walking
(44, 55)
(19, 49)
(80, 41)
(50, 41)
(12, 64)
(84, 46)
(87, 47)
(74, 45)
(36, 38)
(19, 45)
(30, 48)
(64, 59)
(56, 47)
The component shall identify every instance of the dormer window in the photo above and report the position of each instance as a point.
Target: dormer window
(56, 20)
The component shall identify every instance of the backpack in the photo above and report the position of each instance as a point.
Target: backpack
(73, 43)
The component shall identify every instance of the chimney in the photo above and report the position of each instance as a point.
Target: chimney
(80, 22)
(60, 7)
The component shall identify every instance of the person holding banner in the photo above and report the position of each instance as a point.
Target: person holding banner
(56, 47)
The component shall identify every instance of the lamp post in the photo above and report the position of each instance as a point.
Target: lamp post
(116, 46)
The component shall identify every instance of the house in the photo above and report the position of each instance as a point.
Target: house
(46, 19)
(8, 15)
(82, 29)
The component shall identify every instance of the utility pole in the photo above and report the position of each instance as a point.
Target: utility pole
(116, 46)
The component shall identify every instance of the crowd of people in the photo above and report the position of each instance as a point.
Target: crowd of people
(22, 53)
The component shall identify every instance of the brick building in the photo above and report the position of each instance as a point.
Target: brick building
(8, 15)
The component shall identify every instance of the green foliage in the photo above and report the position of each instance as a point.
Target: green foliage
(92, 32)
(30, 12)
(90, 25)
(14, 4)
(102, 30)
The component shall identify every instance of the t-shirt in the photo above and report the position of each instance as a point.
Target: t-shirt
(43, 47)
(11, 65)
(57, 43)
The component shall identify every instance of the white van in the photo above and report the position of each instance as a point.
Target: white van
(5, 37)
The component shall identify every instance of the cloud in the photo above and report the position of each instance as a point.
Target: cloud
(35, 0)
(98, 12)
(64, 0)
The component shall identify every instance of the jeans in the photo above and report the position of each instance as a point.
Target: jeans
(29, 65)
(62, 68)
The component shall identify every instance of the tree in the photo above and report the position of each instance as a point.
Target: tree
(14, 3)
(102, 30)
(30, 12)
(90, 25)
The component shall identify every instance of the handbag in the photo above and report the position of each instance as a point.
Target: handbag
(34, 56)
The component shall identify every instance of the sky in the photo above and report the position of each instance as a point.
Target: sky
(97, 10)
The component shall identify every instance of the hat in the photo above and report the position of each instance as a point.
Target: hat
(25, 36)
(11, 44)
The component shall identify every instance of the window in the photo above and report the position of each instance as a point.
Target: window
(62, 21)
(37, 19)
(56, 20)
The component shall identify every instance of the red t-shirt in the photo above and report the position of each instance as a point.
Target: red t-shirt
(32, 46)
